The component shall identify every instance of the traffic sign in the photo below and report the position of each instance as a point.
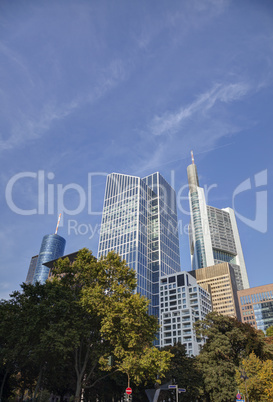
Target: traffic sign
(238, 396)
(181, 390)
(128, 391)
(172, 386)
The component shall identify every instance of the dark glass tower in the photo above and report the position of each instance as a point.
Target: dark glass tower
(52, 247)
(31, 269)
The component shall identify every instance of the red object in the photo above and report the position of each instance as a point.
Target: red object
(128, 391)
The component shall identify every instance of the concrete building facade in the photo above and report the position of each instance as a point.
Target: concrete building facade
(220, 281)
(182, 303)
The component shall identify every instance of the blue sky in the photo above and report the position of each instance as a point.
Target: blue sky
(93, 87)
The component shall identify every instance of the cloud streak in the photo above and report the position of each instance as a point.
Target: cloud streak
(198, 125)
(31, 129)
(169, 123)
(26, 128)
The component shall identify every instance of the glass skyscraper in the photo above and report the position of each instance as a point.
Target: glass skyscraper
(52, 247)
(139, 222)
(214, 236)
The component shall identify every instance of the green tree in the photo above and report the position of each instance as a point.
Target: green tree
(259, 380)
(27, 321)
(20, 331)
(184, 372)
(269, 331)
(8, 317)
(116, 320)
(85, 313)
(269, 341)
(228, 341)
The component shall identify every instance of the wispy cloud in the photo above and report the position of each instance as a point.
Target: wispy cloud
(182, 19)
(16, 59)
(112, 75)
(170, 122)
(25, 127)
(199, 126)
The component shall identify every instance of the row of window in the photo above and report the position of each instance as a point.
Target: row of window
(256, 297)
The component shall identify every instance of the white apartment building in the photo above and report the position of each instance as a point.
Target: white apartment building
(182, 303)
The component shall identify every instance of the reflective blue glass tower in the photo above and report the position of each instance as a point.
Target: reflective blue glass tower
(52, 247)
(140, 223)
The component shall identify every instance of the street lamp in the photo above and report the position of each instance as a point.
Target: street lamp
(245, 377)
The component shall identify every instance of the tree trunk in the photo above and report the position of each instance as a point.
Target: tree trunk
(80, 368)
(78, 389)
(23, 388)
(38, 383)
(2, 385)
(22, 392)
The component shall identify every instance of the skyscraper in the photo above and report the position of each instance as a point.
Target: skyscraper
(219, 280)
(140, 223)
(31, 269)
(214, 236)
(52, 247)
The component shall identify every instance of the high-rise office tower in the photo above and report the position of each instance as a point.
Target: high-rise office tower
(52, 247)
(140, 223)
(31, 269)
(214, 236)
(219, 280)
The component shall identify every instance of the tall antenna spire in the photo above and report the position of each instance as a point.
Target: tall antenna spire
(192, 158)
(58, 224)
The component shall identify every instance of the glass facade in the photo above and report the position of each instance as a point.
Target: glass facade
(139, 222)
(221, 256)
(263, 315)
(52, 247)
(257, 307)
(256, 297)
(198, 230)
(214, 236)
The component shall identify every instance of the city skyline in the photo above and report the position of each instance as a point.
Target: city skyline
(88, 89)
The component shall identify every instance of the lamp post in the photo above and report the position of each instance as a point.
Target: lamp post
(245, 377)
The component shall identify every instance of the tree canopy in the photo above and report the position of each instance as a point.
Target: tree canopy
(87, 312)
(62, 335)
(255, 378)
(269, 331)
(228, 341)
